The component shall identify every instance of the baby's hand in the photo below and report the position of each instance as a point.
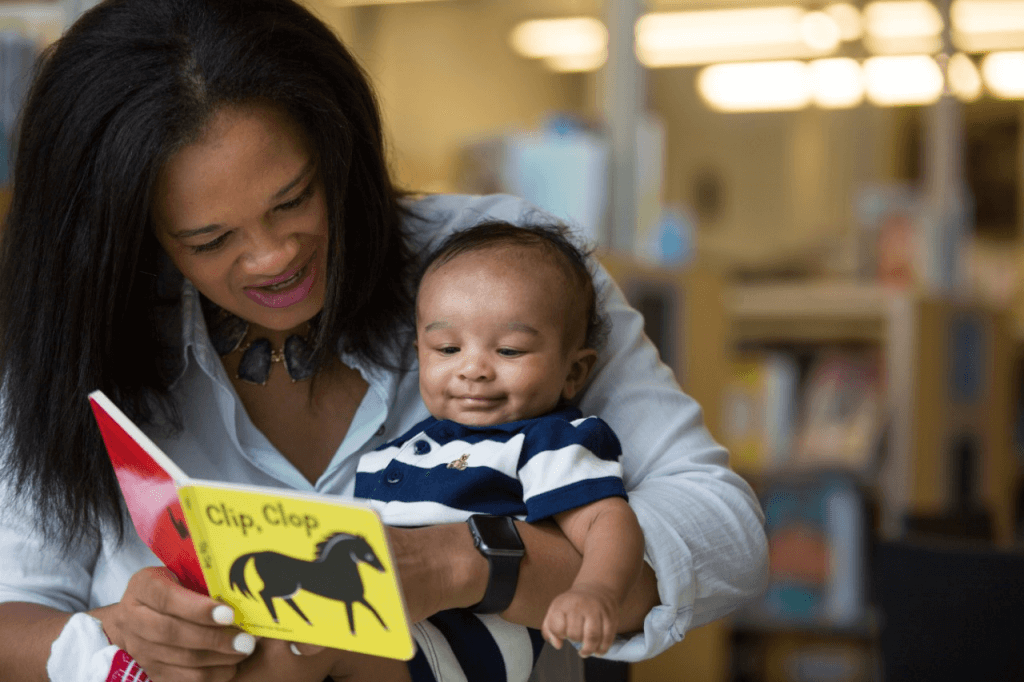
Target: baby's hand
(585, 613)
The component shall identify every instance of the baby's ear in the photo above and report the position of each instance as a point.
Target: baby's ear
(583, 361)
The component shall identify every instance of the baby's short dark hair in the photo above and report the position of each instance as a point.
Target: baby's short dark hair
(551, 238)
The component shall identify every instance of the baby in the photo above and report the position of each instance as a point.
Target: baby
(506, 334)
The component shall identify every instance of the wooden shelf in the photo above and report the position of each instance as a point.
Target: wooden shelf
(811, 312)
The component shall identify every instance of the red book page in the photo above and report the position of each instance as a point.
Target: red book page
(152, 498)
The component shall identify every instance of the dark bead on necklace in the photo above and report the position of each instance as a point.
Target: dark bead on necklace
(298, 358)
(254, 367)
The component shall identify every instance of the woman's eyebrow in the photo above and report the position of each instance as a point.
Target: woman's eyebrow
(206, 229)
(306, 170)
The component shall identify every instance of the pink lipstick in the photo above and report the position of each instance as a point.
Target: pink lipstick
(272, 295)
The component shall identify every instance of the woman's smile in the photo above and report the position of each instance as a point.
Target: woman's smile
(287, 289)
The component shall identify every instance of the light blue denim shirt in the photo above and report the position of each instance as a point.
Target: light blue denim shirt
(702, 524)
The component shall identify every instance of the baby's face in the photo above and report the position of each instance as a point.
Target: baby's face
(491, 338)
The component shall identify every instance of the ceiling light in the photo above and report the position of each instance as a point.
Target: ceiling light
(756, 86)
(1004, 74)
(819, 31)
(987, 25)
(903, 26)
(574, 63)
(565, 44)
(706, 36)
(836, 83)
(902, 80)
(963, 78)
(847, 18)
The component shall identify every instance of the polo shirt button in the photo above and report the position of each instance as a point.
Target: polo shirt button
(421, 447)
(393, 477)
(380, 431)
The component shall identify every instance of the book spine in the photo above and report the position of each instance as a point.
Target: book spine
(196, 528)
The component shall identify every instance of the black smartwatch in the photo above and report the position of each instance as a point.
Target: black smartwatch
(498, 540)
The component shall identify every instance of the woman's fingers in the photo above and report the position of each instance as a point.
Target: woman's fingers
(174, 634)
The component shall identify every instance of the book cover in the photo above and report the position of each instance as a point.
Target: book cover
(294, 566)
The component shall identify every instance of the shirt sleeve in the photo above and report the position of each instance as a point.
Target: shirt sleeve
(566, 465)
(37, 571)
(703, 527)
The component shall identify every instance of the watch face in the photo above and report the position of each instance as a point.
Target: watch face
(496, 533)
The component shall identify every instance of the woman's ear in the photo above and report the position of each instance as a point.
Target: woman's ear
(583, 361)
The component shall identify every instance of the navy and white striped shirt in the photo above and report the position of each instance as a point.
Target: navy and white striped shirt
(441, 471)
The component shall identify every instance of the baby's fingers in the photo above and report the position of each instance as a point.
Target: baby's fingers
(553, 628)
(591, 632)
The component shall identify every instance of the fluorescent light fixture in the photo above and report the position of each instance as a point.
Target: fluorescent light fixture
(847, 18)
(1004, 74)
(756, 86)
(574, 63)
(962, 78)
(836, 83)
(567, 44)
(706, 36)
(820, 31)
(902, 26)
(902, 80)
(987, 25)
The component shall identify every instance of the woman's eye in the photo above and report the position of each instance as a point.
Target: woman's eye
(509, 352)
(211, 245)
(297, 201)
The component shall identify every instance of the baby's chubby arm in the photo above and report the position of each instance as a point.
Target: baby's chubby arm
(607, 534)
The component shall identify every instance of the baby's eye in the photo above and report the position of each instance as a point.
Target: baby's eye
(211, 245)
(509, 352)
(448, 350)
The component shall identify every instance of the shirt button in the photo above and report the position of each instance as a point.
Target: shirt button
(393, 477)
(421, 447)
(380, 431)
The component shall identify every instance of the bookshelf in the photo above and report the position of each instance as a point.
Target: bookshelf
(947, 380)
(948, 372)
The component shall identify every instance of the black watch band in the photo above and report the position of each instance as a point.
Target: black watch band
(498, 541)
(501, 585)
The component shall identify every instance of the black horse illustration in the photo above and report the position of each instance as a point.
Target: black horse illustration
(334, 574)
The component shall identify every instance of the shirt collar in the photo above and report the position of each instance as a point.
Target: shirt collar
(192, 341)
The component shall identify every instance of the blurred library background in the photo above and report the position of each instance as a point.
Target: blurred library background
(817, 207)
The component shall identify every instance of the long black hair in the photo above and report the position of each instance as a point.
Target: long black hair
(128, 85)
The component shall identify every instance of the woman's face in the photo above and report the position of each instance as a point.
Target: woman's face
(242, 215)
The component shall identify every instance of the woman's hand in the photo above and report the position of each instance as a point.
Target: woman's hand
(438, 568)
(175, 634)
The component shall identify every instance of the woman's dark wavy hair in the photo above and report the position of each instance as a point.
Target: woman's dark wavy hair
(129, 84)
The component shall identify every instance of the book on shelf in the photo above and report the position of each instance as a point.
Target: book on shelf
(760, 399)
(842, 414)
(295, 566)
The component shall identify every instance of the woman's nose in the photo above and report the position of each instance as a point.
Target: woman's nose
(268, 252)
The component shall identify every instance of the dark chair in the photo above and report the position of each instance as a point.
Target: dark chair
(949, 612)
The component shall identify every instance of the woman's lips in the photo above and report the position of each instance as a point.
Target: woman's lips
(272, 295)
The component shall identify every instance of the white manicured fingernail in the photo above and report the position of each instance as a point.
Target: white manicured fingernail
(244, 643)
(295, 649)
(223, 614)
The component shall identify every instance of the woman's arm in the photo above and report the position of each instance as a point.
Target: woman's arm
(702, 524)
(441, 569)
(26, 633)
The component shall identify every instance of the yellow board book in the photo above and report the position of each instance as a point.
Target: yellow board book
(294, 566)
